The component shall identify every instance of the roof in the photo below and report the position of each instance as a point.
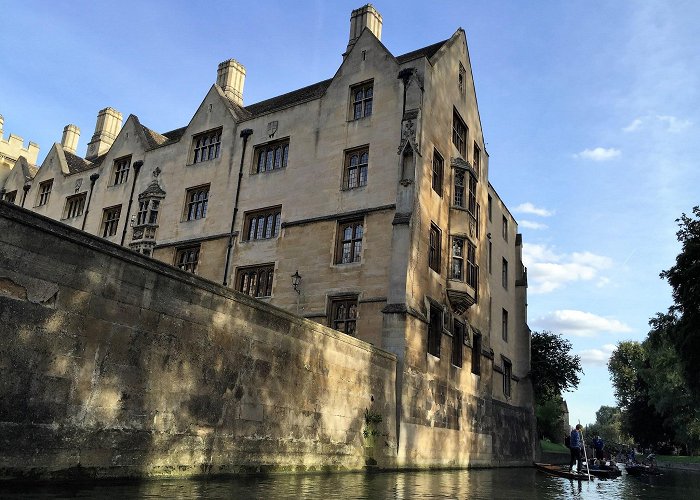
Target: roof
(76, 164)
(289, 99)
(153, 138)
(428, 52)
(175, 135)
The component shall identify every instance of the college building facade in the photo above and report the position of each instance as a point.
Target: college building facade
(361, 202)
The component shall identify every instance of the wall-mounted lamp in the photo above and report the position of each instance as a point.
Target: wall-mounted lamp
(296, 281)
(488, 235)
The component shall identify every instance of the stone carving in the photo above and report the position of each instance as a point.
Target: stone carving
(272, 128)
(78, 183)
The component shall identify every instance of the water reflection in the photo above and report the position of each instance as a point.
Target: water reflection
(487, 483)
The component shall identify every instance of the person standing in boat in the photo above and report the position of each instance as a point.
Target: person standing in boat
(598, 445)
(576, 448)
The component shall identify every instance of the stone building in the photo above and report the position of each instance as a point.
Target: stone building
(11, 150)
(361, 202)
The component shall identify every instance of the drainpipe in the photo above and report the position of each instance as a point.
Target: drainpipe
(26, 189)
(93, 179)
(137, 167)
(244, 134)
(405, 75)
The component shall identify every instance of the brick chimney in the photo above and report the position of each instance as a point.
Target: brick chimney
(109, 122)
(364, 17)
(69, 141)
(230, 77)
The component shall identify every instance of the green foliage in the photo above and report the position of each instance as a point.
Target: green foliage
(549, 418)
(684, 278)
(622, 366)
(608, 425)
(553, 368)
(372, 419)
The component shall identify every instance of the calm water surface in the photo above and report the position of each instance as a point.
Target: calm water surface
(492, 483)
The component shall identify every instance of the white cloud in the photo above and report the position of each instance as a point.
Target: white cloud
(532, 225)
(635, 125)
(548, 270)
(529, 208)
(579, 323)
(599, 154)
(597, 356)
(673, 123)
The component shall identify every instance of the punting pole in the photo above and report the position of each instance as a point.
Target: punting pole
(585, 455)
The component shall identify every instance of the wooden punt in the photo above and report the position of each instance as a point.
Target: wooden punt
(563, 471)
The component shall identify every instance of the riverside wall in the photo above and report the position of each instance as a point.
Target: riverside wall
(116, 365)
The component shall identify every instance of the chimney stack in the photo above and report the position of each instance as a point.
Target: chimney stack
(69, 141)
(109, 122)
(364, 17)
(230, 77)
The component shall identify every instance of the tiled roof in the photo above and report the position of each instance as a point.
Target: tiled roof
(154, 139)
(428, 52)
(289, 99)
(175, 135)
(76, 164)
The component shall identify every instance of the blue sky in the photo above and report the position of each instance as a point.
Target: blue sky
(589, 108)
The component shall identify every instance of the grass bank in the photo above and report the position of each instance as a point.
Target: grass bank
(548, 446)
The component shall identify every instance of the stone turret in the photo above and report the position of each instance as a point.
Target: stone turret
(69, 141)
(109, 122)
(364, 17)
(231, 77)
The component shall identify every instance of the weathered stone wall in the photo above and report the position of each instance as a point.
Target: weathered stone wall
(112, 364)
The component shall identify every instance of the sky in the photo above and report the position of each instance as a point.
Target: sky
(590, 111)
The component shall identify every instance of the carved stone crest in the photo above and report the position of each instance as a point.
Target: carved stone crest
(272, 128)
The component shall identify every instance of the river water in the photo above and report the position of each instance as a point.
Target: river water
(486, 483)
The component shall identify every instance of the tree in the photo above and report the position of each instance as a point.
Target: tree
(553, 368)
(623, 365)
(684, 278)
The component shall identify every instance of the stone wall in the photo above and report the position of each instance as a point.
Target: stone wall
(112, 364)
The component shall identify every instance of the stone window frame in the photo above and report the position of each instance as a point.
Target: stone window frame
(356, 172)
(11, 196)
(507, 375)
(274, 155)
(256, 281)
(75, 206)
(147, 212)
(458, 332)
(460, 133)
(504, 324)
(476, 353)
(110, 220)
(187, 258)
(435, 328)
(343, 311)
(361, 104)
(462, 80)
(353, 242)
(120, 170)
(463, 264)
(267, 228)
(206, 146)
(476, 158)
(504, 273)
(438, 171)
(196, 203)
(434, 247)
(504, 231)
(44, 193)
